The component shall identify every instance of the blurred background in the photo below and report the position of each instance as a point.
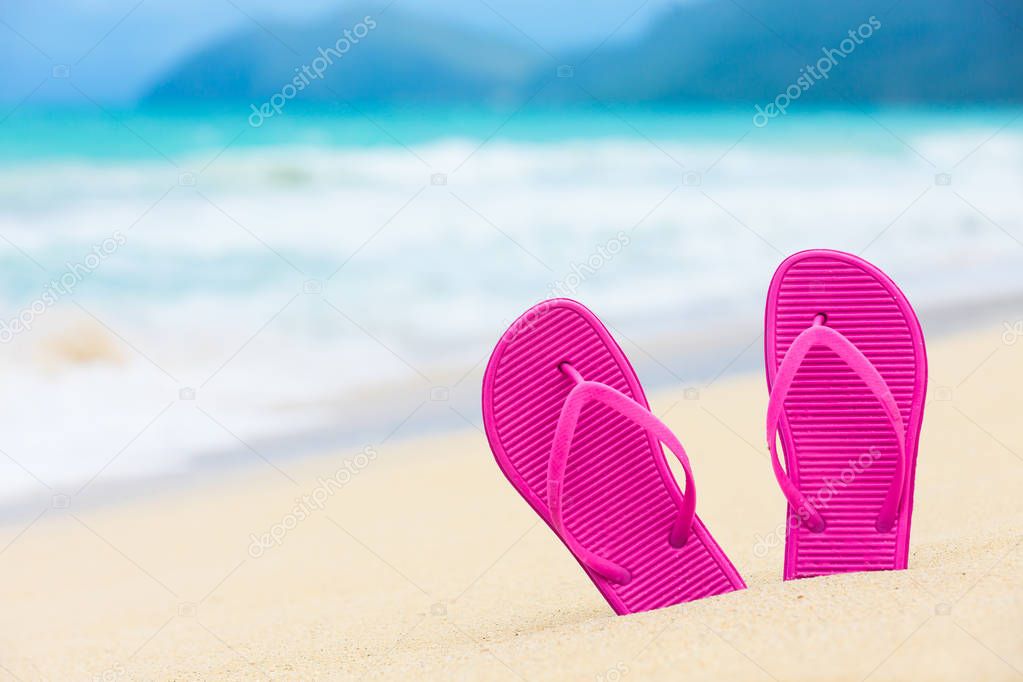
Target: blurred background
(236, 231)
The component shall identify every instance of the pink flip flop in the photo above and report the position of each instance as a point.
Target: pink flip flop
(847, 374)
(571, 429)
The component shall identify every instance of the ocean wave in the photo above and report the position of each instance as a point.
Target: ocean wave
(284, 281)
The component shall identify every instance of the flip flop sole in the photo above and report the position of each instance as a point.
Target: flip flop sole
(617, 500)
(840, 450)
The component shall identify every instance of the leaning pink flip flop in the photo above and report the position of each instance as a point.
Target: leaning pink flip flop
(847, 373)
(571, 429)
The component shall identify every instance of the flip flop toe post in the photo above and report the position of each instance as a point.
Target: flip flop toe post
(572, 431)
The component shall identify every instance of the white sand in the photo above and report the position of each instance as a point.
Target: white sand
(428, 564)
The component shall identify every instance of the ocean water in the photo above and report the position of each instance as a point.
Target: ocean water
(176, 284)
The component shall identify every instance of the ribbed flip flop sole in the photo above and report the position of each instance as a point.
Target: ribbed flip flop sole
(616, 500)
(840, 449)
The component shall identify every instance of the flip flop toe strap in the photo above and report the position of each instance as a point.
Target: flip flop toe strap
(821, 335)
(583, 393)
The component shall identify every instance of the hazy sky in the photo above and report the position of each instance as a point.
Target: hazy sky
(114, 48)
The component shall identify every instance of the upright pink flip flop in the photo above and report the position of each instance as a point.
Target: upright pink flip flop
(847, 372)
(571, 429)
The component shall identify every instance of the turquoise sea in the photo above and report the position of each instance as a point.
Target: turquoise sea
(219, 283)
(109, 133)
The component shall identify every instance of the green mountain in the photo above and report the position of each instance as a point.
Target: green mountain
(398, 58)
(941, 51)
(945, 51)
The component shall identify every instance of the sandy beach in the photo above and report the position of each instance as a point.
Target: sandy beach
(415, 559)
